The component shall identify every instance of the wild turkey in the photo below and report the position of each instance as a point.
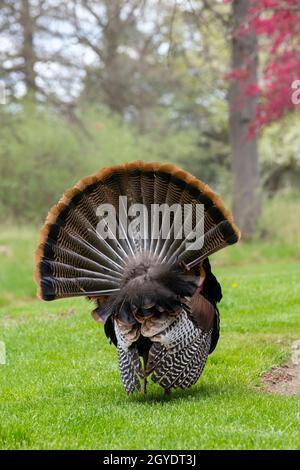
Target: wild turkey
(154, 290)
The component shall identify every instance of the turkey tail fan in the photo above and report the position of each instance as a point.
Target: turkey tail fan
(136, 238)
(75, 259)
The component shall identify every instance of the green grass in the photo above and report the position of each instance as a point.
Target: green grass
(60, 387)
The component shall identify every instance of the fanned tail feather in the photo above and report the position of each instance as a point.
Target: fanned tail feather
(71, 228)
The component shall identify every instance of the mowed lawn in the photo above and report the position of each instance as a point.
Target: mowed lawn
(60, 387)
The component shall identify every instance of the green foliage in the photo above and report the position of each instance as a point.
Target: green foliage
(42, 154)
(61, 389)
(280, 154)
(39, 155)
(280, 219)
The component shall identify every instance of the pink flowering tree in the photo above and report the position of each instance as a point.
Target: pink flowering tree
(277, 26)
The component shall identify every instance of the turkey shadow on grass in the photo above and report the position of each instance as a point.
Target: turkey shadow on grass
(202, 391)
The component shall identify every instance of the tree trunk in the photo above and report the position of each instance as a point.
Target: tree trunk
(28, 51)
(242, 108)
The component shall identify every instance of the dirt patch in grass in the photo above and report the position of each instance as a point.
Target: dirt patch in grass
(285, 380)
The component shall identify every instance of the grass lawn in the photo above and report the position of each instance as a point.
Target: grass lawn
(60, 387)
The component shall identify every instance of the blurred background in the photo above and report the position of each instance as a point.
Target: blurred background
(208, 85)
(212, 86)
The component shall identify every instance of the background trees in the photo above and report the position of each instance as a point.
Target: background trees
(204, 84)
(34, 60)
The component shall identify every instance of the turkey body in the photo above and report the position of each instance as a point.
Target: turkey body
(173, 342)
(153, 287)
(175, 358)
